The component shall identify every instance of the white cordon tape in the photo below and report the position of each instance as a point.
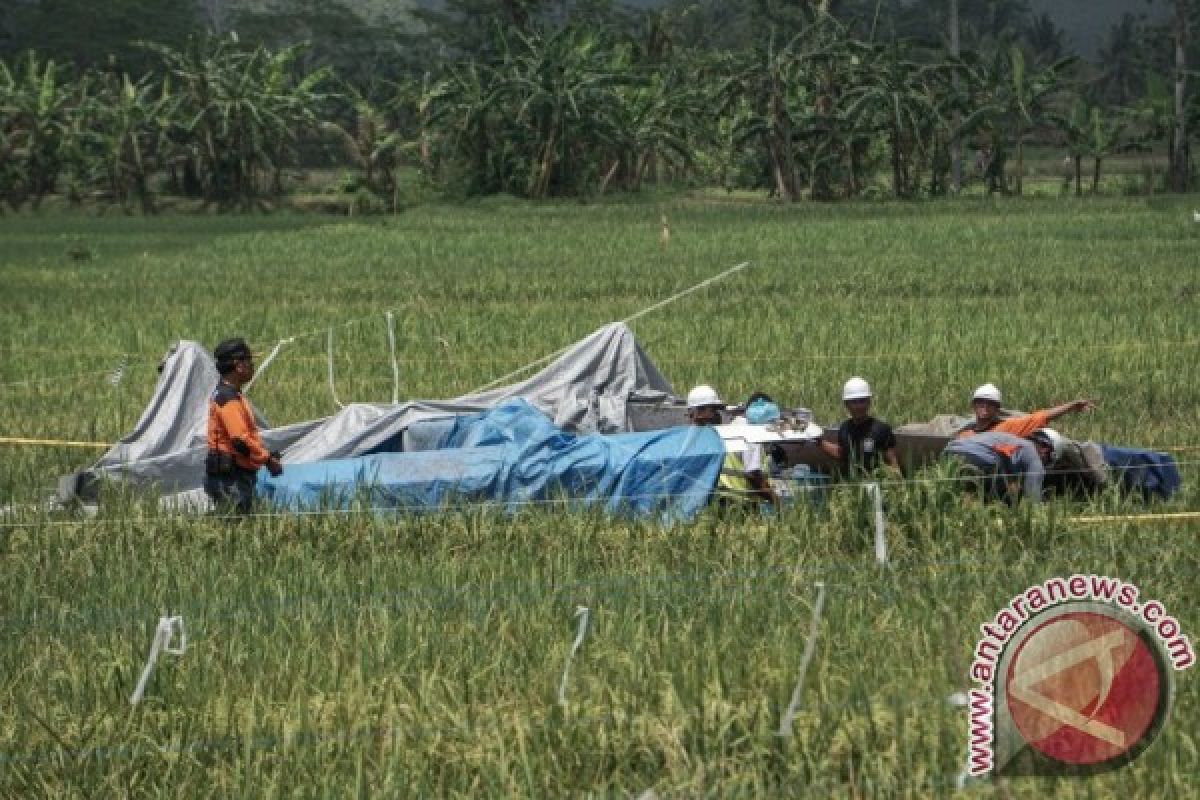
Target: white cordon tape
(881, 545)
(785, 725)
(391, 328)
(164, 634)
(267, 361)
(627, 320)
(581, 613)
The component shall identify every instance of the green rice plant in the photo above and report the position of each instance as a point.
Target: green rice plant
(421, 654)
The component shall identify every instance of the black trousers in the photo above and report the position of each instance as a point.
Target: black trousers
(232, 492)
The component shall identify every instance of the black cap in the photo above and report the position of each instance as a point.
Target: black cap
(230, 351)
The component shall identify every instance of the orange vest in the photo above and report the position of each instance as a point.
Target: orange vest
(232, 429)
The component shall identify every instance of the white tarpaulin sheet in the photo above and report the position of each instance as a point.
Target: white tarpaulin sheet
(586, 390)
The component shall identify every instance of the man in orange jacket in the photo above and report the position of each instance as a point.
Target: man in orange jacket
(986, 405)
(235, 449)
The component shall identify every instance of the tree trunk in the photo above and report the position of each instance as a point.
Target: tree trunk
(852, 178)
(1096, 175)
(1179, 161)
(897, 177)
(785, 159)
(1078, 175)
(1020, 160)
(781, 185)
(545, 167)
(608, 176)
(956, 153)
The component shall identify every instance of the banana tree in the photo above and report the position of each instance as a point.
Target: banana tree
(771, 82)
(465, 110)
(1027, 99)
(653, 119)
(897, 98)
(36, 107)
(563, 87)
(1007, 102)
(134, 119)
(374, 145)
(241, 114)
(1075, 130)
(1104, 138)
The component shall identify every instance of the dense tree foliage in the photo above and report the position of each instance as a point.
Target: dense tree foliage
(804, 98)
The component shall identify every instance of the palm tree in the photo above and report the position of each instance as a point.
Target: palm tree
(1045, 39)
(1121, 59)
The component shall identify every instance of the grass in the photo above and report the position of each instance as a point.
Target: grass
(421, 656)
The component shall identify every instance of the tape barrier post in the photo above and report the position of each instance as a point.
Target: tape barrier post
(881, 545)
(391, 331)
(581, 613)
(332, 386)
(164, 634)
(789, 716)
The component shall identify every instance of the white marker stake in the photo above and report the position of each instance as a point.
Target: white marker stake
(881, 546)
(785, 725)
(391, 328)
(163, 636)
(581, 613)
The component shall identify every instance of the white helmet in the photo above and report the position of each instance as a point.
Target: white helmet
(856, 389)
(987, 392)
(1054, 439)
(702, 396)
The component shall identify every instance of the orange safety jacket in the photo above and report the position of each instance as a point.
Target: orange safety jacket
(232, 429)
(1017, 426)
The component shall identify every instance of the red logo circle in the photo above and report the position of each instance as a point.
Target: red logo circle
(1084, 688)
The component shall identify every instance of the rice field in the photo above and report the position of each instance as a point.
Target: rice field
(423, 656)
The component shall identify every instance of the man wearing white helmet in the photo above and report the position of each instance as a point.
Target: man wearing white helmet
(862, 440)
(985, 402)
(1050, 445)
(742, 476)
(704, 405)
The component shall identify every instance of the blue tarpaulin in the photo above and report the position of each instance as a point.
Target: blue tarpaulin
(1144, 472)
(511, 456)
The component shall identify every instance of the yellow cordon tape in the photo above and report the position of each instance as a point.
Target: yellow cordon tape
(1179, 515)
(51, 442)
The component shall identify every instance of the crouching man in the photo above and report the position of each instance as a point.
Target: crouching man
(998, 459)
(235, 448)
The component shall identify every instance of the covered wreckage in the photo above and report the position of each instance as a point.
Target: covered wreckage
(600, 425)
(530, 441)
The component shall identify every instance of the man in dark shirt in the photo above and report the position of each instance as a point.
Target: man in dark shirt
(862, 440)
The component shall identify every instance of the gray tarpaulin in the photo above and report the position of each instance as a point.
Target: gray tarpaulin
(585, 390)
